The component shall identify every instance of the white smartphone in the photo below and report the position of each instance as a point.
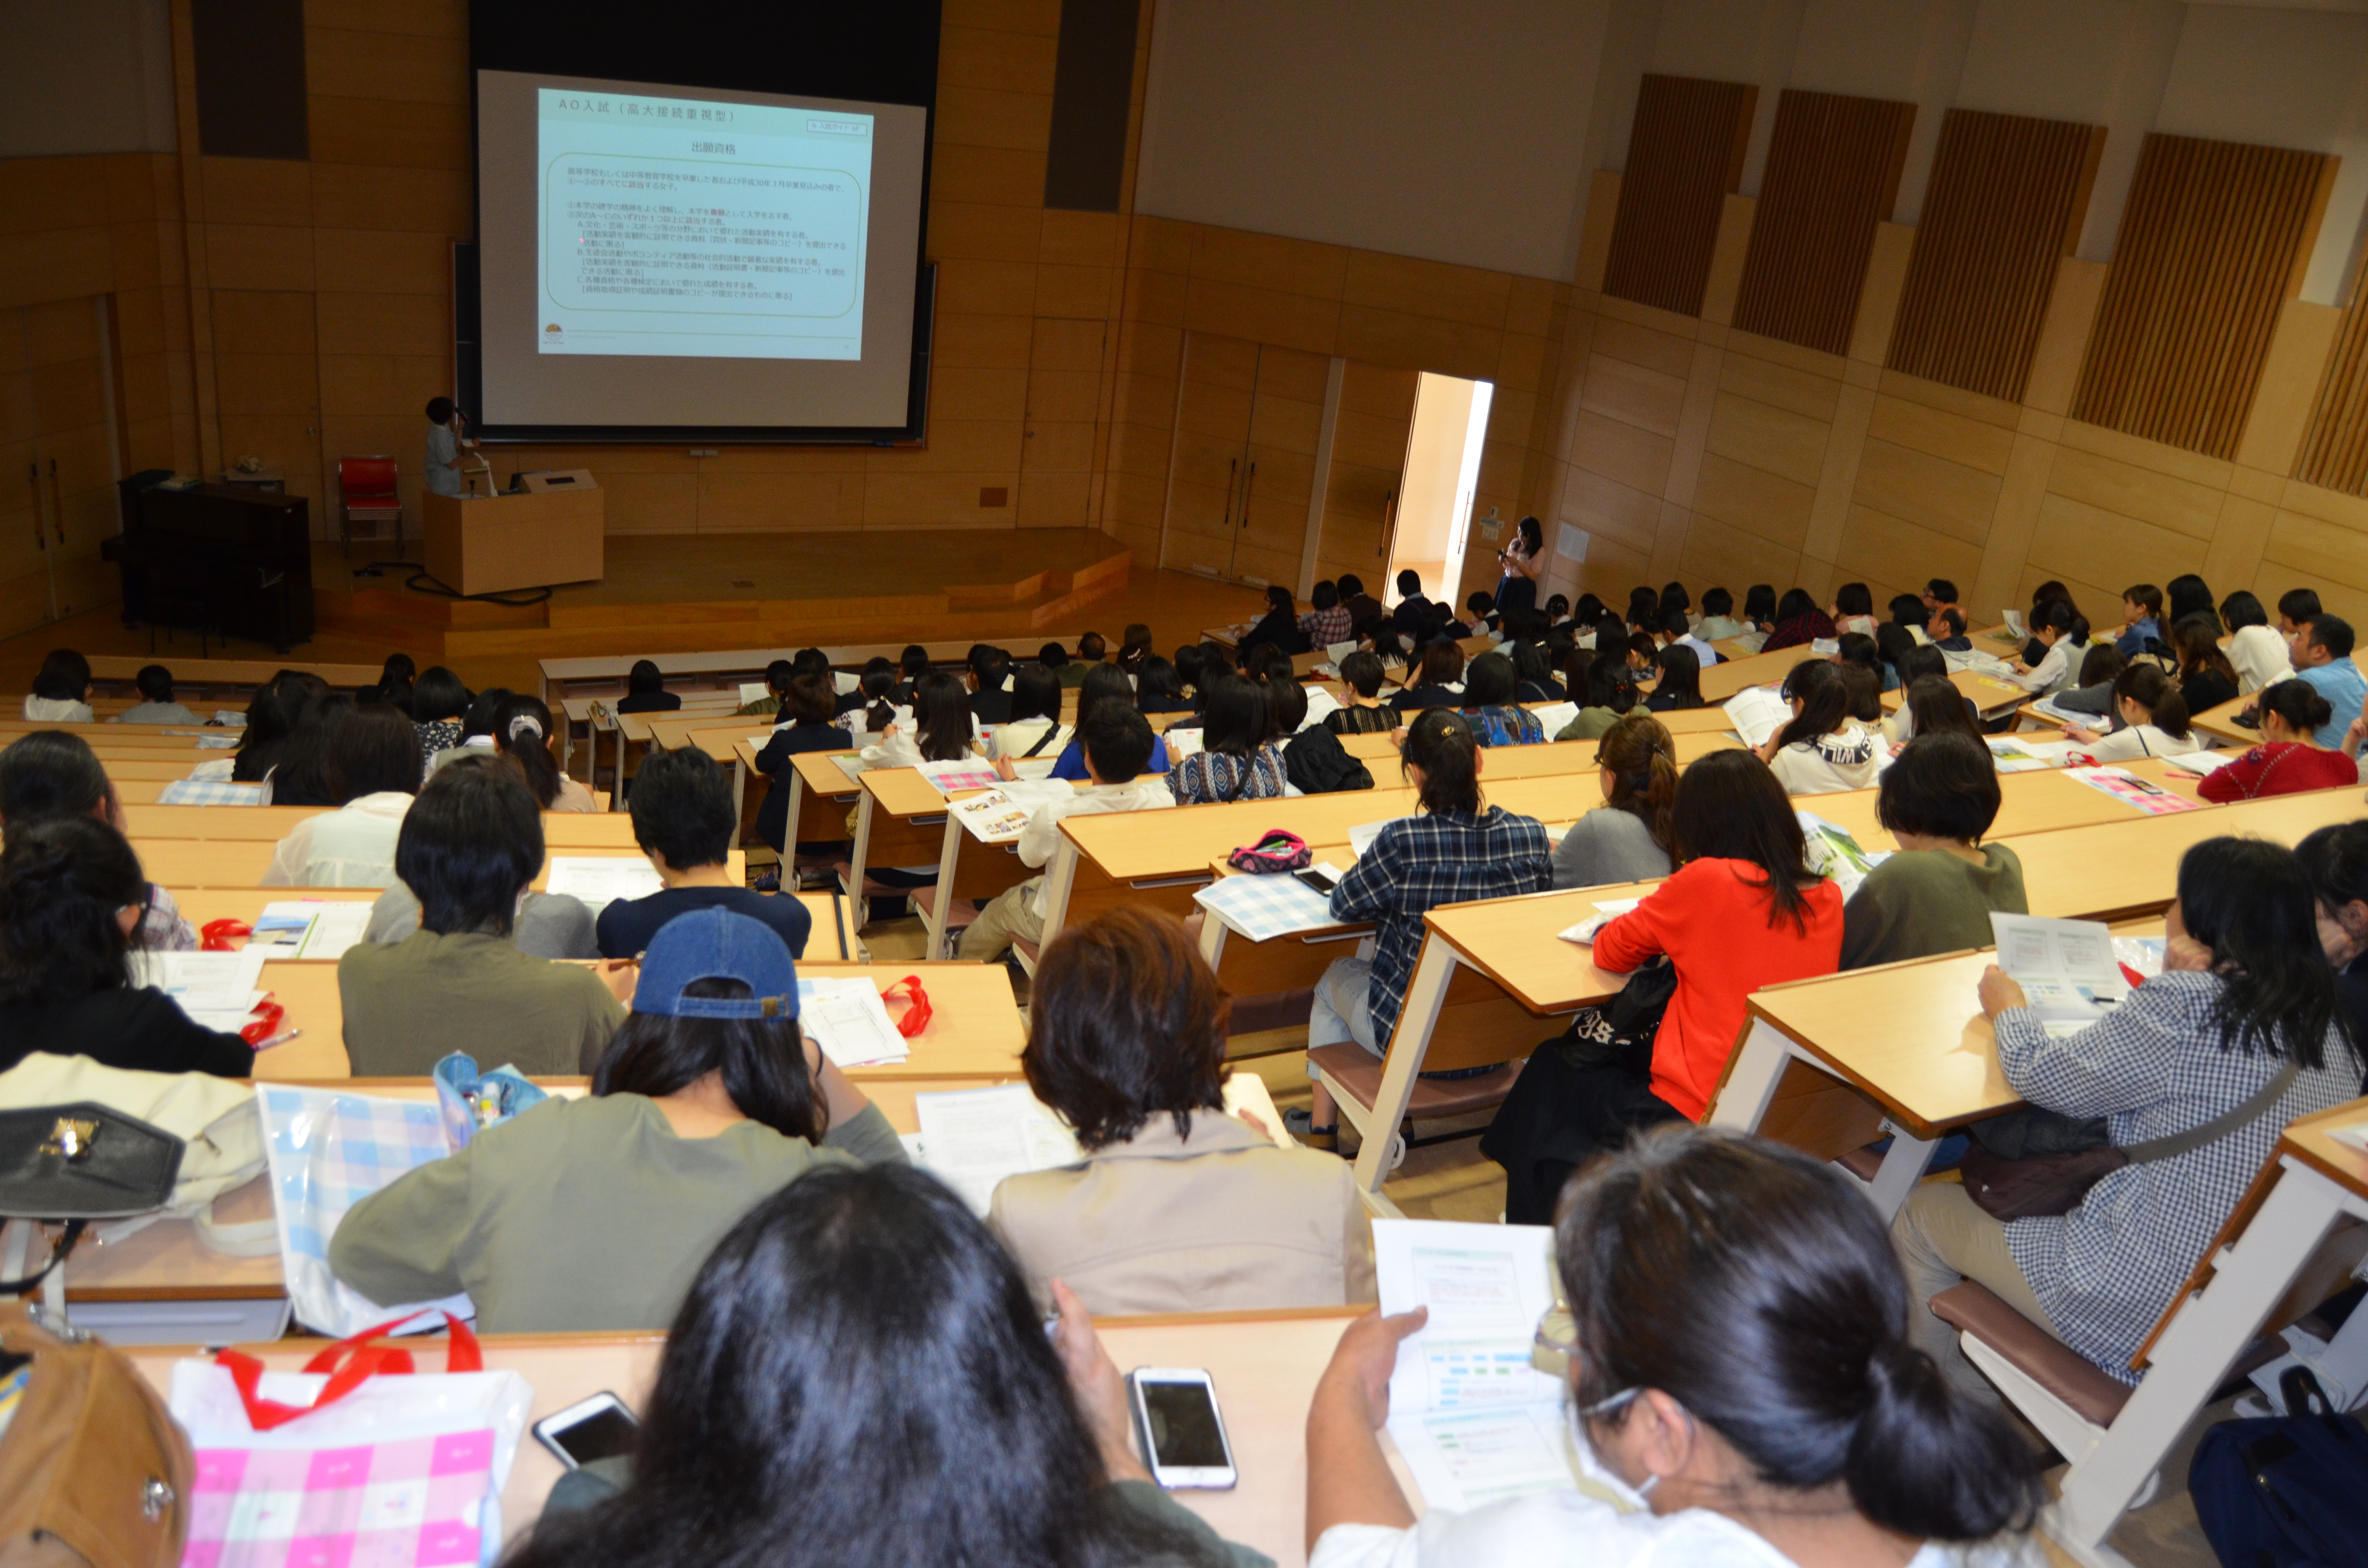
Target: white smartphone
(1178, 1427)
(596, 1428)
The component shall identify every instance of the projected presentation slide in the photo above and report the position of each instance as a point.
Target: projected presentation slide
(700, 229)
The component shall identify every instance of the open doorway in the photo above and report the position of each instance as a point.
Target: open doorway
(1443, 472)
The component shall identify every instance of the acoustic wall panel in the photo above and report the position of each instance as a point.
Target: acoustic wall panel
(1833, 173)
(2335, 452)
(2005, 204)
(1685, 157)
(2214, 240)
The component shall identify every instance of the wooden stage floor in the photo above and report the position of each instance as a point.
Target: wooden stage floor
(704, 568)
(663, 569)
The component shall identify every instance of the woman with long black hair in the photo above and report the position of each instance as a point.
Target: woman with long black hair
(1825, 747)
(2243, 1020)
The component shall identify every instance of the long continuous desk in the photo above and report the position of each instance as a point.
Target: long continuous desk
(973, 1031)
(571, 830)
(241, 862)
(1265, 1366)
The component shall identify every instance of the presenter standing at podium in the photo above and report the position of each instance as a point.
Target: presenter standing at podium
(444, 426)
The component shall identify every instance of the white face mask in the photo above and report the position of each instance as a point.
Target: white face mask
(1601, 1481)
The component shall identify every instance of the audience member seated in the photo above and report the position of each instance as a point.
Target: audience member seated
(1535, 668)
(439, 700)
(1626, 839)
(1937, 799)
(476, 727)
(1718, 623)
(2260, 655)
(1437, 682)
(549, 924)
(521, 731)
(1456, 848)
(1799, 622)
(1176, 1205)
(808, 707)
(1237, 759)
(593, 1214)
(2062, 632)
(1740, 914)
(468, 848)
(2207, 679)
(61, 692)
(2243, 1021)
(53, 773)
(1411, 618)
(1488, 706)
(1760, 606)
(875, 687)
(156, 705)
(1611, 692)
(1824, 747)
(1109, 683)
(1678, 685)
(2322, 660)
(1118, 746)
(990, 684)
(2336, 861)
(944, 726)
(857, 1367)
(1279, 628)
(2142, 623)
(1328, 622)
(1776, 1417)
(371, 769)
(395, 678)
(1034, 729)
(1093, 648)
(1158, 688)
(272, 715)
(779, 673)
(1361, 711)
(685, 822)
(70, 892)
(1853, 610)
(2153, 720)
(645, 690)
(2289, 760)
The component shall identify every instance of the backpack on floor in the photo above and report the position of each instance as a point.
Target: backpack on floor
(2286, 1491)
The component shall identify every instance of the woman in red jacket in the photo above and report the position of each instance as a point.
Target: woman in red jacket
(2288, 761)
(1740, 914)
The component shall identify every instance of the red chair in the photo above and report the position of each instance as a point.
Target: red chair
(366, 494)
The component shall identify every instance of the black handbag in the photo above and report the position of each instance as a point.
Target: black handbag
(79, 1163)
(1620, 1031)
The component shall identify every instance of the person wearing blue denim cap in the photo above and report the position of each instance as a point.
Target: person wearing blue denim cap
(594, 1213)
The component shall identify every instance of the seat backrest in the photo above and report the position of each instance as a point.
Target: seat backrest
(365, 477)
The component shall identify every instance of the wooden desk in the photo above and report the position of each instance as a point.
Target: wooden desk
(833, 938)
(149, 822)
(2119, 871)
(156, 769)
(240, 863)
(1265, 1366)
(2220, 724)
(1726, 678)
(202, 673)
(1547, 758)
(2034, 801)
(975, 1029)
(1988, 693)
(900, 820)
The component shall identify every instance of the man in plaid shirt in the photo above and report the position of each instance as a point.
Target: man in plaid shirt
(1456, 850)
(1328, 622)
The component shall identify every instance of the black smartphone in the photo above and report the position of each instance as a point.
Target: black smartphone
(596, 1428)
(1322, 881)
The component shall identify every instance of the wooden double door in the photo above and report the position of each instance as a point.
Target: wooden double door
(1249, 424)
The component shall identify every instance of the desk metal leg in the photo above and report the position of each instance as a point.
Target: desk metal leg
(934, 923)
(1212, 939)
(1426, 996)
(862, 845)
(1053, 899)
(2194, 1355)
(1903, 1166)
(1758, 1067)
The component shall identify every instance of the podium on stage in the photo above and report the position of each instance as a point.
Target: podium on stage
(491, 544)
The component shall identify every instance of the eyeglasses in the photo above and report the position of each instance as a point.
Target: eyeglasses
(1552, 1347)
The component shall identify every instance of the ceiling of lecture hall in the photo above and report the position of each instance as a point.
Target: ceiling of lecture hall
(1455, 132)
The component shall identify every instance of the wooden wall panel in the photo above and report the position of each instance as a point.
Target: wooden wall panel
(1685, 157)
(2213, 242)
(2005, 205)
(2335, 453)
(1834, 164)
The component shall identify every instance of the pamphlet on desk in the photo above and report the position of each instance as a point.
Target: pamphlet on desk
(1555, 717)
(848, 1023)
(1835, 852)
(1758, 712)
(217, 991)
(600, 879)
(1475, 1420)
(310, 927)
(2129, 788)
(2022, 753)
(2202, 764)
(1606, 911)
(965, 773)
(2067, 969)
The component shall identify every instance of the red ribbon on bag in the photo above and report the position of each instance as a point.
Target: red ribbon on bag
(368, 1360)
(916, 1013)
(216, 935)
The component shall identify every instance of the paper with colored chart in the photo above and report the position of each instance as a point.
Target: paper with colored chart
(967, 773)
(2130, 790)
(1474, 1418)
(992, 818)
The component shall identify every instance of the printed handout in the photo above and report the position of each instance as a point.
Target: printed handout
(600, 880)
(1758, 712)
(2128, 787)
(848, 1022)
(1605, 911)
(2067, 968)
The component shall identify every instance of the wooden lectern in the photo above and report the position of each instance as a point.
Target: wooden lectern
(491, 544)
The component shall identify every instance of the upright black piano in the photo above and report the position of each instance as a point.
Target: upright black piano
(215, 559)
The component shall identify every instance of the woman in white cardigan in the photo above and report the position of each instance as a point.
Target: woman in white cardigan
(373, 770)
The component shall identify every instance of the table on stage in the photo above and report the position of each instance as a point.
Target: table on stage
(492, 544)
